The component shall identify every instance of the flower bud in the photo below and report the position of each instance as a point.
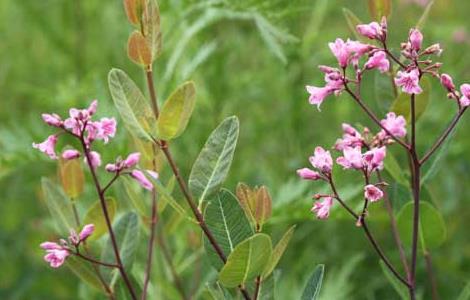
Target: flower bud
(447, 82)
(416, 39)
(70, 154)
(434, 49)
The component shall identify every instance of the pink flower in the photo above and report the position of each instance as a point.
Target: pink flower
(373, 159)
(447, 82)
(52, 119)
(50, 246)
(409, 81)
(56, 257)
(322, 160)
(395, 125)
(308, 174)
(351, 138)
(86, 231)
(95, 159)
(372, 30)
(340, 51)
(318, 94)
(465, 90)
(92, 108)
(416, 39)
(47, 146)
(378, 61)
(111, 168)
(142, 180)
(70, 154)
(322, 209)
(106, 128)
(351, 159)
(372, 193)
(132, 160)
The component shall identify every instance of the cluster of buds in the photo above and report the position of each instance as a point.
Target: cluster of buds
(57, 253)
(81, 125)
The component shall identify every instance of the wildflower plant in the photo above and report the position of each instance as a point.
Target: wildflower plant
(366, 152)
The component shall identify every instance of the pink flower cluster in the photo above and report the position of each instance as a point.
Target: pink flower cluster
(81, 125)
(57, 253)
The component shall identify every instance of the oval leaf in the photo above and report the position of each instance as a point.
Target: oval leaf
(71, 177)
(432, 229)
(131, 104)
(248, 260)
(401, 105)
(176, 112)
(313, 286)
(213, 163)
(279, 251)
(151, 25)
(138, 49)
(228, 223)
(95, 216)
(59, 206)
(126, 230)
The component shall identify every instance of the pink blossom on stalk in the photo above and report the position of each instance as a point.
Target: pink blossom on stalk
(56, 257)
(70, 154)
(322, 160)
(52, 119)
(447, 82)
(111, 168)
(396, 125)
(92, 108)
(50, 246)
(378, 61)
(372, 30)
(86, 231)
(322, 208)
(351, 159)
(48, 146)
(372, 193)
(416, 39)
(351, 138)
(341, 51)
(465, 99)
(95, 159)
(132, 160)
(106, 128)
(374, 158)
(318, 94)
(409, 81)
(141, 179)
(308, 174)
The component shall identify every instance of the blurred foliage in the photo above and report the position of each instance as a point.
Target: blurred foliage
(248, 58)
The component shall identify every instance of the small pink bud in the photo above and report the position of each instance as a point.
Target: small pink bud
(132, 160)
(92, 108)
(434, 49)
(111, 168)
(416, 39)
(308, 174)
(447, 82)
(153, 174)
(70, 154)
(86, 231)
(142, 180)
(322, 209)
(52, 119)
(50, 246)
(465, 99)
(95, 159)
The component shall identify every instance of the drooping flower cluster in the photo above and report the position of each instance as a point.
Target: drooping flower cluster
(81, 125)
(57, 253)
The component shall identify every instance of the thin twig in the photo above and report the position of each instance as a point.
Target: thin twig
(94, 261)
(432, 278)
(257, 287)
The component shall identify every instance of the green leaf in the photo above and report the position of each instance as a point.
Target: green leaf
(353, 21)
(134, 194)
(213, 163)
(248, 260)
(168, 198)
(267, 288)
(71, 177)
(384, 91)
(228, 223)
(313, 286)
(401, 105)
(95, 216)
(393, 168)
(432, 228)
(425, 15)
(465, 294)
(279, 251)
(380, 8)
(397, 285)
(59, 206)
(131, 104)
(176, 111)
(84, 270)
(126, 230)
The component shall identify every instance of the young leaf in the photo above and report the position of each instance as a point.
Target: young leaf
(279, 251)
(248, 260)
(228, 224)
(152, 30)
(313, 286)
(95, 216)
(84, 271)
(126, 230)
(132, 8)
(432, 227)
(401, 105)
(176, 111)
(380, 8)
(353, 21)
(213, 163)
(131, 104)
(397, 285)
(72, 177)
(59, 206)
(138, 49)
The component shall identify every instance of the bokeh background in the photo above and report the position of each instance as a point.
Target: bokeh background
(249, 58)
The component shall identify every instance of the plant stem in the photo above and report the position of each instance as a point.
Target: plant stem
(432, 278)
(443, 136)
(108, 221)
(182, 184)
(94, 261)
(257, 287)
